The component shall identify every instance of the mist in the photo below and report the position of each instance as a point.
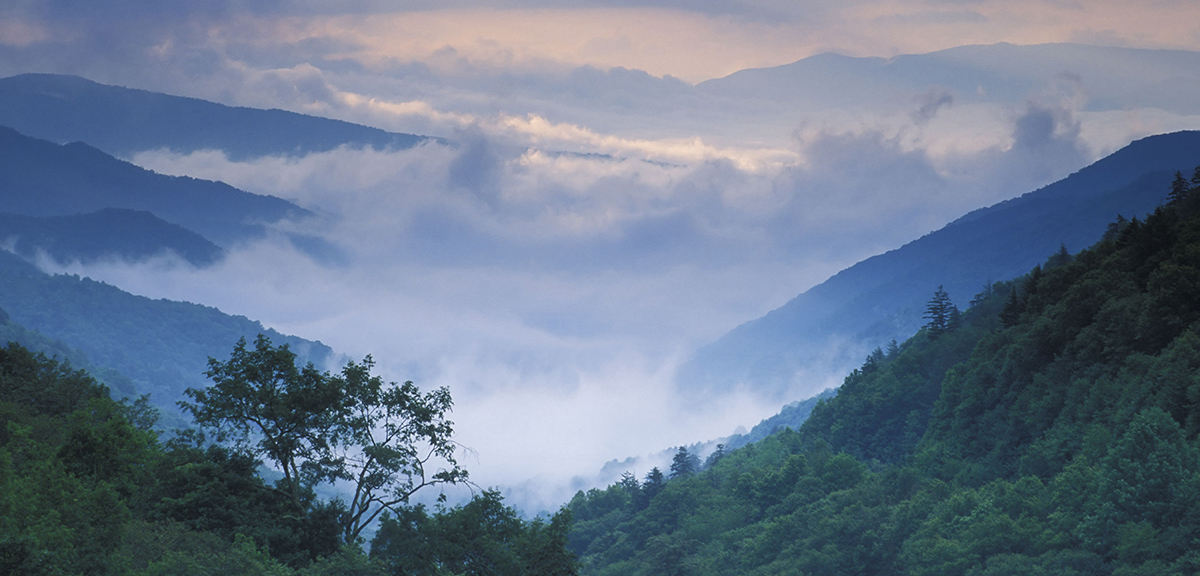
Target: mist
(555, 291)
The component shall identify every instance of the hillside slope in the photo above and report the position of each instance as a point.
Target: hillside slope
(111, 233)
(1052, 428)
(122, 121)
(41, 178)
(883, 297)
(161, 345)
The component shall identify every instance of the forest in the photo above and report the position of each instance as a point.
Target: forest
(1049, 428)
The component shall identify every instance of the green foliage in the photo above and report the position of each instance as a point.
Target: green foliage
(387, 441)
(480, 538)
(86, 487)
(1054, 431)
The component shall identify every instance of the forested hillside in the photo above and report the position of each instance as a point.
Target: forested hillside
(1051, 428)
(881, 298)
(162, 346)
(88, 487)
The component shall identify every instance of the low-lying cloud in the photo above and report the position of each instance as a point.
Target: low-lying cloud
(555, 293)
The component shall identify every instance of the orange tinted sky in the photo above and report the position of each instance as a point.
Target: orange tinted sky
(696, 46)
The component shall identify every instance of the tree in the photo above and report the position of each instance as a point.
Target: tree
(715, 457)
(683, 464)
(387, 441)
(1011, 314)
(268, 407)
(653, 483)
(939, 311)
(1179, 190)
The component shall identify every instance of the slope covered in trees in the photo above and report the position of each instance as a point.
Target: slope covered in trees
(883, 297)
(1061, 440)
(88, 487)
(161, 345)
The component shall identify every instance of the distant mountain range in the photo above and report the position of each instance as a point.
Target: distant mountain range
(830, 328)
(108, 233)
(41, 178)
(122, 121)
(1108, 78)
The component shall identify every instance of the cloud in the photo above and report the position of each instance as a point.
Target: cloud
(591, 222)
(929, 102)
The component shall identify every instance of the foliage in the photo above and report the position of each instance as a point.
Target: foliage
(480, 538)
(87, 487)
(1054, 430)
(318, 427)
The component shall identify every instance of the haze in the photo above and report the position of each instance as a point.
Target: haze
(594, 215)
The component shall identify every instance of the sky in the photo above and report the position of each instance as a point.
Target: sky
(600, 211)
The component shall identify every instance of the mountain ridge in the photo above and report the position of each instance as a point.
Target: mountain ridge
(122, 121)
(882, 297)
(41, 178)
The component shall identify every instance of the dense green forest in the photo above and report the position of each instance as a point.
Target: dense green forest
(1051, 429)
(89, 486)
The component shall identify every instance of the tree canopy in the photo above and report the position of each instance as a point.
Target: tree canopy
(386, 440)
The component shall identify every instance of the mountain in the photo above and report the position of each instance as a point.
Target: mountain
(41, 178)
(122, 121)
(105, 234)
(1111, 78)
(160, 345)
(831, 326)
(1053, 428)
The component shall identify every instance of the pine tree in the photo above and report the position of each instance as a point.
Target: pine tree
(1060, 258)
(1011, 314)
(873, 361)
(683, 464)
(630, 483)
(653, 483)
(939, 312)
(1179, 190)
(715, 457)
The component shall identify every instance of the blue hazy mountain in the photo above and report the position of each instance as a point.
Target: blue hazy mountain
(162, 346)
(41, 178)
(110, 233)
(834, 324)
(1112, 78)
(122, 121)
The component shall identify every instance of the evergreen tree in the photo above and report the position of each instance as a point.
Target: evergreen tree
(715, 456)
(939, 312)
(1060, 258)
(873, 361)
(1114, 228)
(1011, 314)
(630, 483)
(653, 483)
(683, 464)
(1179, 190)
